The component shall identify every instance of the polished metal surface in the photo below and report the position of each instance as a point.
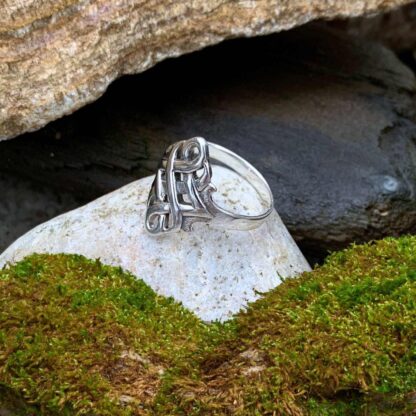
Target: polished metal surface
(181, 193)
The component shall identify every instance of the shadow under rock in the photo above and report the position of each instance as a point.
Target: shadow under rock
(326, 117)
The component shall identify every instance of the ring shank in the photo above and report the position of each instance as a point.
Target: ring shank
(221, 156)
(183, 191)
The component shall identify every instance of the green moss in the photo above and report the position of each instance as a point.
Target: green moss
(339, 340)
(77, 336)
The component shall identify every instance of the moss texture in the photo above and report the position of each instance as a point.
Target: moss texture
(77, 337)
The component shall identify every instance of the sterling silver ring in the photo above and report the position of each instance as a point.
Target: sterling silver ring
(182, 192)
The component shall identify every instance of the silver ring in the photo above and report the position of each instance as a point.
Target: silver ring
(181, 193)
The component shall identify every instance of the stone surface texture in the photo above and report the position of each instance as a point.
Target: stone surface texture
(328, 119)
(213, 272)
(24, 205)
(58, 55)
(395, 29)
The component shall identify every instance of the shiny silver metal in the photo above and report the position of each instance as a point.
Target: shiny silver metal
(181, 193)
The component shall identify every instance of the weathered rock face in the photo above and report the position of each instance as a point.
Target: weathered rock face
(213, 272)
(395, 29)
(328, 119)
(56, 56)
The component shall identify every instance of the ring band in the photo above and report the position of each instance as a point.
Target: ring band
(181, 193)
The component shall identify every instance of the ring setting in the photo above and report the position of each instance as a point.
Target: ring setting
(182, 191)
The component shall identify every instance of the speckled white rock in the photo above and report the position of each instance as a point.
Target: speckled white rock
(213, 272)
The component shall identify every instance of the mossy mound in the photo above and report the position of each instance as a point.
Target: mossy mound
(340, 340)
(83, 337)
(78, 337)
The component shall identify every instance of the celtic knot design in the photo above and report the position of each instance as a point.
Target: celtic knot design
(181, 192)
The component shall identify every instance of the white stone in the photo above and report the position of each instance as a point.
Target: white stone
(213, 272)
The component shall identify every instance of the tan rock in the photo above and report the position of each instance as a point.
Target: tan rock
(58, 55)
